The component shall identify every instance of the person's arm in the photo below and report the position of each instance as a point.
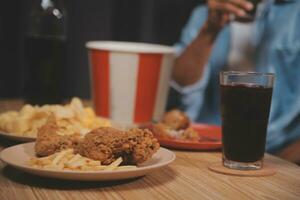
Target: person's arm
(189, 66)
(291, 153)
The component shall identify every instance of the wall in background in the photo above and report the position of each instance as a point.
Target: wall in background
(151, 21)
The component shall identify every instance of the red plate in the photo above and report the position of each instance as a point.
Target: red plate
(211, 139)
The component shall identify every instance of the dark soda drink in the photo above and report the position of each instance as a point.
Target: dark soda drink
(245, 111)
(45, 59)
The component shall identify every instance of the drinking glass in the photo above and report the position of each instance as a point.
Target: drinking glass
(245, 105)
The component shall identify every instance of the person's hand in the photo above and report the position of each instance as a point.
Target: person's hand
(221, 11)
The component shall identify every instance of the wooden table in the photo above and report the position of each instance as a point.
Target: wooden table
(186, 178)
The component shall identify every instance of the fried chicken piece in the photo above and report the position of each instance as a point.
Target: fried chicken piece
(107, 144)
(176, 120)
(175, 125)
(190, 134)
(162, 130)
(143, 145)
(100, 143)
(49, 142)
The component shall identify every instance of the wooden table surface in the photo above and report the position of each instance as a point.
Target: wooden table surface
(186, 178)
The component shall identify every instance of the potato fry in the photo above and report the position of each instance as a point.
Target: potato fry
(79, 162)
(73, 159)
(114, 164)
(93, 162)
(67, 160)
(60, 155)
(126, 167)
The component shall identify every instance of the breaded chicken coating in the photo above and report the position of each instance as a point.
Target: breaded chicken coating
(49, 141)
(176, 120)
(107, 144)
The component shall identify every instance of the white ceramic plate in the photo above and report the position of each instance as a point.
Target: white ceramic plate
(19, 155)
(18, 138)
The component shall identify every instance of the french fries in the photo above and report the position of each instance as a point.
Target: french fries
(74, 117)
(67, 160)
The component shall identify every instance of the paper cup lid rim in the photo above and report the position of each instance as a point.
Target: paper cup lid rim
(132, 47)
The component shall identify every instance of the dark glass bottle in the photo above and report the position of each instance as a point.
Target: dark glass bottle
(45, 52)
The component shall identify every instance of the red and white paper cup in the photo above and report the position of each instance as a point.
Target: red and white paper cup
(130, 81)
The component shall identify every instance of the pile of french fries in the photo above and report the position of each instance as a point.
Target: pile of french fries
(67, 160)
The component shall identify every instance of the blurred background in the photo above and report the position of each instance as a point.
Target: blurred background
(152, 21)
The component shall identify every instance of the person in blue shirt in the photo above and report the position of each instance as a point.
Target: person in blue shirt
(214, 40)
